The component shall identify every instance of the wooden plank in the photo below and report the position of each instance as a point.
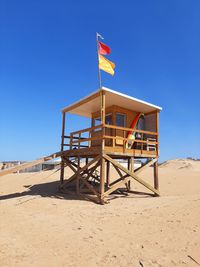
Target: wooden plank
(62, 165)
(63, 131)
(118, 151)
(70, 145)
(89, 129)
(83, 152)
(89, 186)
(107, 173)
(118, 171)
(73, 177)
(81, 169)
(30, 164)
(84, 101)
(103, 102)
(116, 181)
(74, 137)
(21, 167)
(78, 178)
(122, 177)
(87, 139)
(143, 167)
(129, 129)
(156, 184)
(69, 180)
(157, 129)
(74, 164)
(90, 171)
(102, 177)
(133, 175)
(126, 139)
(131, 169)
(116, 186)
(62, 170)
(69, 164)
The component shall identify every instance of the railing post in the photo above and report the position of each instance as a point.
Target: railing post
(79, 140)
(124, 141)
(142, 138)
(102, 96)
(70, 141)
(63, 131)
(157, 130)
(89, 142)
(62, 167)
(114, 140)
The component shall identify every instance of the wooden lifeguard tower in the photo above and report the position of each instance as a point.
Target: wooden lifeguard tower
(113, 138)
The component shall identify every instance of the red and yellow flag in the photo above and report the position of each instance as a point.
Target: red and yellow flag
(104, 49)
(106, 65)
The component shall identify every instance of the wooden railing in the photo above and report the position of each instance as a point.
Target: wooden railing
(148, 138)
(76, 139)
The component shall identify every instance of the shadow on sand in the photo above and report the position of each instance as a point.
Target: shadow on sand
(50, 190)
(44, 190)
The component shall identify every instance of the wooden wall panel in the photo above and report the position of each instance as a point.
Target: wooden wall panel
(130, 116)
(150, 122)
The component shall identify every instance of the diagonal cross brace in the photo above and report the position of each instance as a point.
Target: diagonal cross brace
(149, 163)
(132, 175)
(70, 164)
(79, 171)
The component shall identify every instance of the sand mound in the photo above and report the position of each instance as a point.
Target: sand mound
(180, 164)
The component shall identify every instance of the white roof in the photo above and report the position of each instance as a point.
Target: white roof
(91, 103)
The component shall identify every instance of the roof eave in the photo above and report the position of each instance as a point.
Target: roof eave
(96, 94)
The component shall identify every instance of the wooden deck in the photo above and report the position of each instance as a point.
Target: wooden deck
(86, 142)
(116, 152)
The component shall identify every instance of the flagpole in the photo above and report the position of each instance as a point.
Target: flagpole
(99, 72)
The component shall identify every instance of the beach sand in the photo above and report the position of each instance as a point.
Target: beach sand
(39, 227)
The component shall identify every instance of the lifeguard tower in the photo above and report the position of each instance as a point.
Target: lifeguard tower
(123, 128)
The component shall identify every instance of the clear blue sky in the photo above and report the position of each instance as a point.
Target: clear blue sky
(48, 60)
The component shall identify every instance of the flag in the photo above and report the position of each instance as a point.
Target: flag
(103, 49)
(106, 65)
(98, 35)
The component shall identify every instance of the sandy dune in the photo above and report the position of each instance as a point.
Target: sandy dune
(39, 227)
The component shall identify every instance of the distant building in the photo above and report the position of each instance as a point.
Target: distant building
(10, 164)
(48, 165)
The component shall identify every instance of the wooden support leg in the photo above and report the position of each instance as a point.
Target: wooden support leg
(86, 160)
(102, 180)
(156, 184)
(62, 167)
(130, 168)
(108, 173)
(129, 182)
(78, 178)
(62, 170)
